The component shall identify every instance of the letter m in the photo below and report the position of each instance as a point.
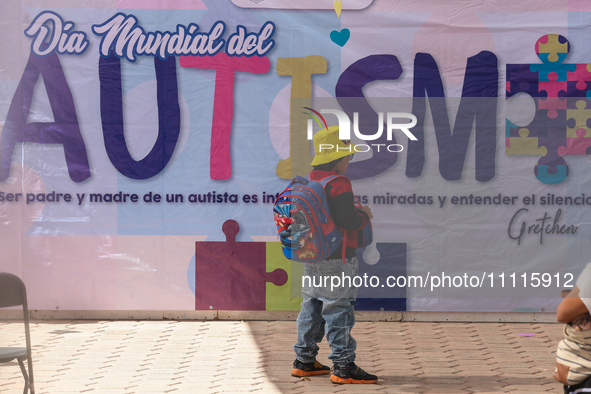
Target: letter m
(477, 109)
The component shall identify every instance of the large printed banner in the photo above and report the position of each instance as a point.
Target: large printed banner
(143, 144)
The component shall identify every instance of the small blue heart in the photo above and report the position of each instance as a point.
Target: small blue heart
(340, 37)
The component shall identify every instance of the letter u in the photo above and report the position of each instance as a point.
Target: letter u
(169, 118)
(372, 137)
(314, 284)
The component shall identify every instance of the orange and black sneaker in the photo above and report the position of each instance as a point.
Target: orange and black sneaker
(351, 374)
(301, 369)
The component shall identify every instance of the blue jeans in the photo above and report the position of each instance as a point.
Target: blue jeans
(328, 309)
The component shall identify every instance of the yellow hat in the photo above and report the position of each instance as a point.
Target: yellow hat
(328, 147)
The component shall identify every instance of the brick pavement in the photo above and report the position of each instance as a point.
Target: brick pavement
(166, 356)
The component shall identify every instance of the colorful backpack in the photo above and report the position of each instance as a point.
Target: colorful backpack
(306, 229)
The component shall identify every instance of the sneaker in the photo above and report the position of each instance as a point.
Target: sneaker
(351, 374)
(301, 369)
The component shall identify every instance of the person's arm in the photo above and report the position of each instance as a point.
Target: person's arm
(345, 215)
(570, 307)
(367, 211)
(342, 206)
(561, 373)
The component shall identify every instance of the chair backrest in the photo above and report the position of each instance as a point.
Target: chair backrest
(13, 293)
(12, 290)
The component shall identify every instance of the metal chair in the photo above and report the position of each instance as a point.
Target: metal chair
(13, 293)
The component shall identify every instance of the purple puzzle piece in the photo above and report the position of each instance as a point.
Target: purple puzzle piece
(520, 79)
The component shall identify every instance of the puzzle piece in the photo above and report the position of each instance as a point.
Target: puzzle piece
(559, 84)
(520, 79)
(524, 145)
(392, 263)
(578, 119)
(288, 296)
(552, 49)
(508, 127)
(553, 87)
(551, 175)
(552, 104)
(551, 140)
(231, 275)
(512, 131)
(579, 84)
(551, 168)
(579, 145)
(542, 126)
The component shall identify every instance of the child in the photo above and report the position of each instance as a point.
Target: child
(573, 357)
(582, 323)
(325, 310)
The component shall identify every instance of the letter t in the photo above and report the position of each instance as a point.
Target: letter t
(223, 103)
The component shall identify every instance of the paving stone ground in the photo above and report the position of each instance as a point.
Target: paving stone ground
(128, 357)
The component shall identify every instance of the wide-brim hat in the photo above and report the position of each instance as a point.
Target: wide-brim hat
(328, 147)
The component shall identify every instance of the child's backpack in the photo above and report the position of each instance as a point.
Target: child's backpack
(306, 229)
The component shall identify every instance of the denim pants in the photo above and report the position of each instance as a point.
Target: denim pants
(328, 309)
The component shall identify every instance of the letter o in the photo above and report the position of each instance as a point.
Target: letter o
(367, 146)
(355, 281)
(371, 281)
(398, 281)
(401, 148)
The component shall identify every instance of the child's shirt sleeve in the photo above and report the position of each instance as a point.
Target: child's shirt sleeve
(342, 206)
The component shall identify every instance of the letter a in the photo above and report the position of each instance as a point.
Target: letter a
(64, 130)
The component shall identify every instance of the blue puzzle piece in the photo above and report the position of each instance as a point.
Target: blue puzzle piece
(392, 264)
(511, 129)
(548, 67)
(543, 174)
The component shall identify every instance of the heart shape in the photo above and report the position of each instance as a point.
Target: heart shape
(340, 37)
(338, 6)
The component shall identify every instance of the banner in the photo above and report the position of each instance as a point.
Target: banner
(144, 143)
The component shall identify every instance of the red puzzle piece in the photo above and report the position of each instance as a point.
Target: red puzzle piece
(581, 75)
(552, 87)
(577, 145)
(552, 104)
(232, 275)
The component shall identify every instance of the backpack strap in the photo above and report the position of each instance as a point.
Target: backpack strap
(344, 247)
(300, 179)
(324, 182)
